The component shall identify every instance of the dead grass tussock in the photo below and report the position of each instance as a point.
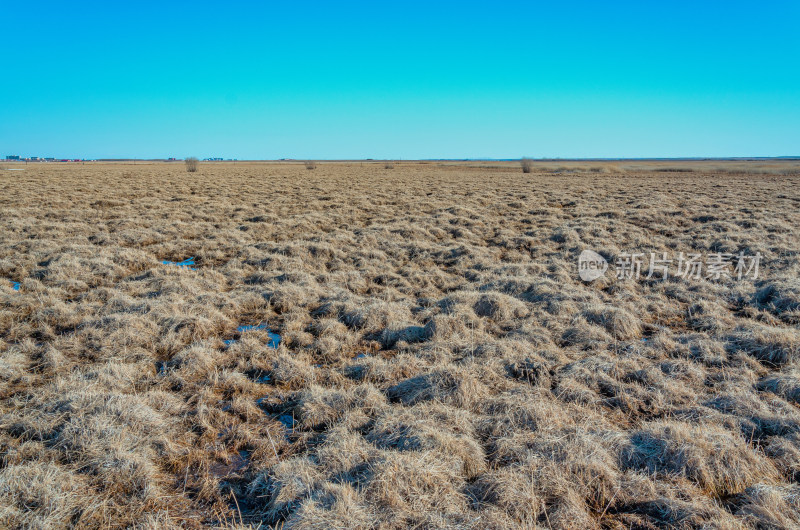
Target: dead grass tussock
(781, 297)
(431, 427)
(770, 506)
(441, 364)
(452, 386)
(414, 485)
(769, 344)
(786, 385)
(716, 460)
(620, 323)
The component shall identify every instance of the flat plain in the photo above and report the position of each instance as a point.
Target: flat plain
(440, 365)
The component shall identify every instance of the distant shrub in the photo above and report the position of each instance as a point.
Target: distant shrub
(191, 164)
(310, 164)
(527, 164)
(388, 165)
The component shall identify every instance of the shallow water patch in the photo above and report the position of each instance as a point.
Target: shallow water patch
(183, 264)
(274, 338)
(259, 376)
(288, 421)
(236, 466)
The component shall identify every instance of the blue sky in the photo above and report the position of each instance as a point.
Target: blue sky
(256, 80)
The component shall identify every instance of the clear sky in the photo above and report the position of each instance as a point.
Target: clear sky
(255, 80)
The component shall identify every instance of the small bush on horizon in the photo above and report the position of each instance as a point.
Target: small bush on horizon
(191, 164)
(310, 164)
(527, 164)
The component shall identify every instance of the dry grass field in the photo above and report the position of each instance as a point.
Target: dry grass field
(441, 364)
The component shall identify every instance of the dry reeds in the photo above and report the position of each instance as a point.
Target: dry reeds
(441, 364)
(191, 164)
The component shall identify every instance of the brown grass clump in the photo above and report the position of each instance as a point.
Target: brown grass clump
(768, 506)
(712, 458)
(335, 506)
(621, 324)
(441, 364)
(771, 345)
(527, 165)
(449, 386)
(781, 297)
(40, 495)
(451, 434)
(192, 164)
(499, 307)
(320, 407)
(417, 488)
(785, 385)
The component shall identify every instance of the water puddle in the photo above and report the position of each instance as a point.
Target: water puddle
(257, 327)
(274, 338)
(288, 421)
(185, 263)
(288, 425)
(236, 466)
(258, 376)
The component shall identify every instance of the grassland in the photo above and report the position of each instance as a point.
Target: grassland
(441, 363)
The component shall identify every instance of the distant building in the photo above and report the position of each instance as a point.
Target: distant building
(12, 157)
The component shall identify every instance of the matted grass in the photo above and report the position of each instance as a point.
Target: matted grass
(440, 363)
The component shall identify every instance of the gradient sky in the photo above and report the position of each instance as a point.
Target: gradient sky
(264, 80)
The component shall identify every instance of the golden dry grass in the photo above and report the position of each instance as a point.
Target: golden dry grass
(442, 366)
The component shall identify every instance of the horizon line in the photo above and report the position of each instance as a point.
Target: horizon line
(465, 159)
